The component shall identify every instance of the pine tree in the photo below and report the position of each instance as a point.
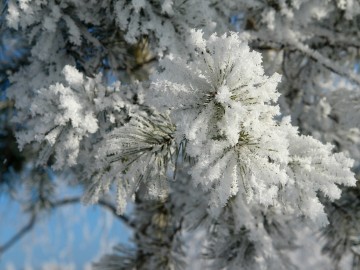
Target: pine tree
(228, 125)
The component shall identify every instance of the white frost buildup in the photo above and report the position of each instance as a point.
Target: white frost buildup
(61, 116)
(222, 104)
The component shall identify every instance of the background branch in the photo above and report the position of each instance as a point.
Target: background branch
(63, 202)
(20, 234)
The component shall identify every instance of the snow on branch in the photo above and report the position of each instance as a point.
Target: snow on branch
(222, 103)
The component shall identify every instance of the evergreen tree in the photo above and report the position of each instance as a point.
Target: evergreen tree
(229, 125)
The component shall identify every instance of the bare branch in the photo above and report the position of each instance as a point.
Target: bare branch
(63, 202)
(20, 234)
(334, 38)
(331, 65)
(305, 49)
(103, 203)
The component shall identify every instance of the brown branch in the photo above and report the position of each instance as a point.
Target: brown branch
(20, 234)
(103, 203)
(63, 202)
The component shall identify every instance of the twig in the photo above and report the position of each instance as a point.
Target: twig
(20, 234)
(305, 49)
(331, 65)
(104, 203)
(63, 202)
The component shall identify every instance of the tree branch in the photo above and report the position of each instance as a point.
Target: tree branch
(326, 62)
(103, 203)
(305, 49)
(63, 202)
(20, 234)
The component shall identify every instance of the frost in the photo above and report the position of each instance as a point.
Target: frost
(151, 20)
(222, 103)
(136, 156)
(63, 115)
(75, 36)
(204, 142)
(138, 4)
(13, 15)
(73, 76)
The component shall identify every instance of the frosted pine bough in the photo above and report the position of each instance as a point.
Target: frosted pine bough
(61, 116)
(222, 104)
(308, 42)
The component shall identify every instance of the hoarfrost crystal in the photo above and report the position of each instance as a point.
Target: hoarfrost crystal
(223, 105)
